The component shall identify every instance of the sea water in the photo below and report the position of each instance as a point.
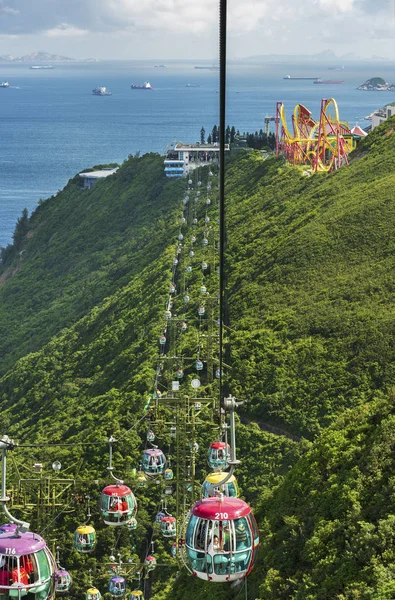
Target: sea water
(53, 127)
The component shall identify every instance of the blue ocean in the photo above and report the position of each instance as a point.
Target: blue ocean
(52, 126)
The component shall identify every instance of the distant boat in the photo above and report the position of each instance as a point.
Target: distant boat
(145, 86)
(42, 67)
(4, 84)
(101, 91)
(159, 66)
(193, 85)
(336, 68)
(306, 78)
(328, 81)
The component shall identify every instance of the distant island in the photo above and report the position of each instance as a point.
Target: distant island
(377, 84)
(42, 57)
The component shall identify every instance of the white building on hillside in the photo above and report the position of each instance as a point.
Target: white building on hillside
(181, 158)
(382, 114)
(91, 177)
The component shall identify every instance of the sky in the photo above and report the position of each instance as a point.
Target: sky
(166, 29)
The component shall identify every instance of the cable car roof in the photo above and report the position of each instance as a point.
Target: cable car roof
(168, 519)
(24, 543)
(220, 509)
(217, 477)
(117, 490)
(62, 573)
(153, 452)
(219, 445)
(84, 529)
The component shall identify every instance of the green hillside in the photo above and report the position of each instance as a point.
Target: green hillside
(310, 271)
(79, 247)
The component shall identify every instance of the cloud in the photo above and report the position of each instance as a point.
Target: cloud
(109, 15)
(176, 20)
(336, 6)
(8, 10)
(65, 30)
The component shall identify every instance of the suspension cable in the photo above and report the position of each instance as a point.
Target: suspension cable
(222, 234)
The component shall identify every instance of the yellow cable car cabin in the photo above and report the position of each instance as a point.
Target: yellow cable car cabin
(84, 538)
(210, 486)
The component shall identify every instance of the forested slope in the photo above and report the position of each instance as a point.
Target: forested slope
(310, 273)
(79, 247)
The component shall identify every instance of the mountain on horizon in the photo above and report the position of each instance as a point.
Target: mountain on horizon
(41, 57)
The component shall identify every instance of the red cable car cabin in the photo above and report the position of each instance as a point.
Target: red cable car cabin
(219, 455)
(222, 539)
(117, 504)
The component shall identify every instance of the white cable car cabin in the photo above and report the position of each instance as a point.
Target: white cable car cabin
(222, 539)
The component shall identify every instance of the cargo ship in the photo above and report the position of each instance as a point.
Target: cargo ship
(305, 78)
(145, 86)
(4, 84)
(328, 82)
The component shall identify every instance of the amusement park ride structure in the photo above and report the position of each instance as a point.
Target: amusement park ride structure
(321, 145)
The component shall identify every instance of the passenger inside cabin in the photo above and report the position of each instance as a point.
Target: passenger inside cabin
(5, 576)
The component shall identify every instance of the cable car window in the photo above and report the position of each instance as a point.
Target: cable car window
(242, 534)
(255, 529)
(200, 540)
(241, 560)
(221, 564)
(191, 527)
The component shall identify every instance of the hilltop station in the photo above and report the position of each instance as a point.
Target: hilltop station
(182, 158)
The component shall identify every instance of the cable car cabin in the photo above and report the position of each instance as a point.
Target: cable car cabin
(159, 517)
(62, 581)
(132, 524)
(117, 504)
(219, 455)
(154, 462)
(210, 486)
(84, 538)
(93, 594)
(141, 480)
(136, 595)
(168, 526)
(222, 539)
(168, 474)
(117, 586)
(26, 565)
(150, 562)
